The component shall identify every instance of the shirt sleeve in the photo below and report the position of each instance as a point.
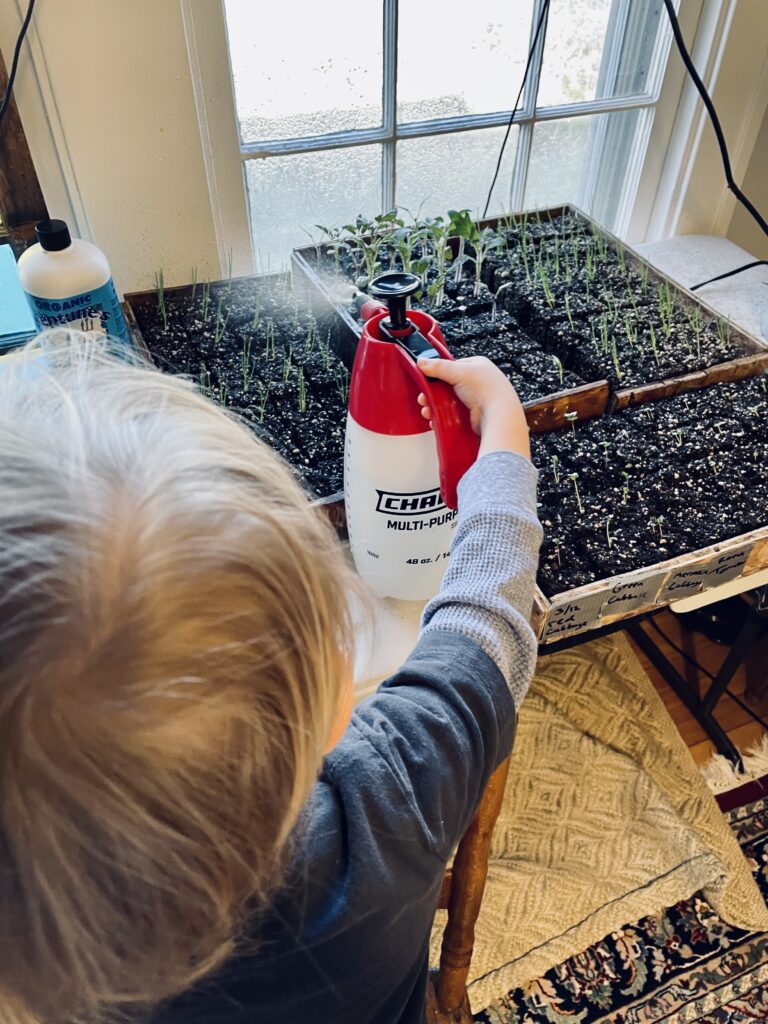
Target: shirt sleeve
(487, 593)
(417, 756)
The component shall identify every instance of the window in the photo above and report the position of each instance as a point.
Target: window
(346, 107)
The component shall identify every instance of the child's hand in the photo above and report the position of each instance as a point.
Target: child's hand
(495, 410)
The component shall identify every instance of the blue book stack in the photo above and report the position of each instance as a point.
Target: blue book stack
(16, 321)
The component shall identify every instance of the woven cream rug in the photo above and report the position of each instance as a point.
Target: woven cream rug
(606, 819)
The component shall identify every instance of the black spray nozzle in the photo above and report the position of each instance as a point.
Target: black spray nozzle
(395, 289)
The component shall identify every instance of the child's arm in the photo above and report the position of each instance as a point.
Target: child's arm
(446, 719)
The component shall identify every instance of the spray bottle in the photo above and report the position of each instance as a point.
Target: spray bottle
(400, 477)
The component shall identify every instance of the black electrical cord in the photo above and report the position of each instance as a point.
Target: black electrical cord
(730, 273)
(690, 68)
(534, 44)
(705, 672)
(15, 62)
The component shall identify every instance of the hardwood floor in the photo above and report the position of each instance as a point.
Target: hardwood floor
(743, 730)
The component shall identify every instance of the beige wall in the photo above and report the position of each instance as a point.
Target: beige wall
(743, 230)
(740, 97)
(119, 77)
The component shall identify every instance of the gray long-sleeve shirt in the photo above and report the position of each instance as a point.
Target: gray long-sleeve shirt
(347, 939)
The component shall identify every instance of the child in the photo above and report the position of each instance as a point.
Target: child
(192, 829)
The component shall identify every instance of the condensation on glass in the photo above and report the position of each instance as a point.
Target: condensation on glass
(290, 195)
(455, 171)
(598, 49)
(464, 61)
(305, 69)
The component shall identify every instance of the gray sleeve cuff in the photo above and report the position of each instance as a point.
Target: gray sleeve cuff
(487, 592)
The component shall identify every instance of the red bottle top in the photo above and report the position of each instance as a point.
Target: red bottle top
(385, 385)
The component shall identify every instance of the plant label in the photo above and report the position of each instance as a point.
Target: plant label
(628, 594)
(726, 567)
(683, 583)
(573, 616)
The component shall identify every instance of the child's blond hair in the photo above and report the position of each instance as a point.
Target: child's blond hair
(174, 641)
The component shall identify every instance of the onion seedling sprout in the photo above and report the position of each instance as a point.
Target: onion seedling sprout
(229, 270)
(302, 392)
(610, 537)
(574, 478)
(263, 396)
(568, 310)
(625, 488)
(654, 345)
(246, 366)
(559, 367)
(159, 284)
(678, 436)
(286, 365)
(194, 283)
(615, 358)
(206, 300)
(555, 471)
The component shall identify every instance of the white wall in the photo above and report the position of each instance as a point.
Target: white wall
(741, 98)
(743, 230)
(114, 74)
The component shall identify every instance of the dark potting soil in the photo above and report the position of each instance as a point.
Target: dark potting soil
(253, 347)
(652, 482)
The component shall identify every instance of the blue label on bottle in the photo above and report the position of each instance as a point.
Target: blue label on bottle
(97, 310)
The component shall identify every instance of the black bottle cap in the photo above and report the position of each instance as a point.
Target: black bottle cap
(53, 235)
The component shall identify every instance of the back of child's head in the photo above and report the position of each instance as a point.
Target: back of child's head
(173, 641)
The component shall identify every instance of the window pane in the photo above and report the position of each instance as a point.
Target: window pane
(305, 72)
(584, 161)
(455, 171)
(466, 60)
(577, 65)
(291, 193)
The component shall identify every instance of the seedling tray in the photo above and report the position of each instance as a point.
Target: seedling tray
(743, 355)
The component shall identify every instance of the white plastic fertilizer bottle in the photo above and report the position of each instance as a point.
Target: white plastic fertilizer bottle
(68, 283)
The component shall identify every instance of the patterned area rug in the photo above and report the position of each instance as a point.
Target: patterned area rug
(682, 966)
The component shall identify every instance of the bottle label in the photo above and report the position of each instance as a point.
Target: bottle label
(95, 311)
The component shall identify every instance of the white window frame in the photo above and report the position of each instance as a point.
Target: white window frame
(646, 175)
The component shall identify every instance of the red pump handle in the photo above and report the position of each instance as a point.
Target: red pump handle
(457, 443)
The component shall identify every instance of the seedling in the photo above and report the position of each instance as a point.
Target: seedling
(483, 242)
(194, 283)
(263, 397)
(222, 397)
(229, 270)
(555, 471)
(545, 286)
(302, 392)
(270, 347)
(657, 523)
(625, 488)
(723, 335)
(574, 478)
(610, 537)
(678, 436)
(160, 286)
(204, 380)
(246, 365)
(342, 383)
(206, 300)
(560, 371)
(606, 446)
(286, 365)
(615, 358)
(572, 417)
(460, 225)
(220, 324)
(256, 313)
(654, 345)
(568, 310)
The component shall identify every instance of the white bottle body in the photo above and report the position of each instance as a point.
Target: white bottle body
(72, 287)
(400, 531)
